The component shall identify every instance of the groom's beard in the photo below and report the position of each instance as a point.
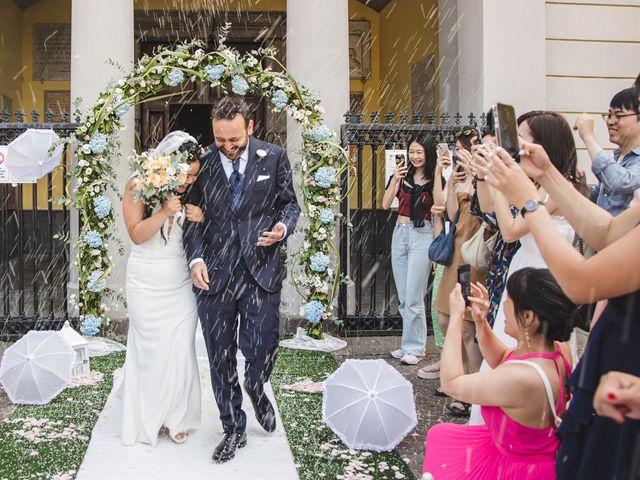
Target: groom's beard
(236, 153)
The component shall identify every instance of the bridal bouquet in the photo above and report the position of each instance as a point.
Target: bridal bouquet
(157, 177)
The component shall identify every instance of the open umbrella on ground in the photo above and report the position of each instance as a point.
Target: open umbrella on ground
(36, 368)
(28, 155)
(369, 405)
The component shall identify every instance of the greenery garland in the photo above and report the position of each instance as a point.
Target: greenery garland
(323, 162)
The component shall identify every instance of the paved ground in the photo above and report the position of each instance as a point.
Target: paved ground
(430, 408)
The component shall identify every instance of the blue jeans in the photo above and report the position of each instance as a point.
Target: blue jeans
(411, 266)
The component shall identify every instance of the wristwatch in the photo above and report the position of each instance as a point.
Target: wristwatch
(530, 206)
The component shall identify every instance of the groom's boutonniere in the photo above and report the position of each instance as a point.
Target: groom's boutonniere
(261, 153)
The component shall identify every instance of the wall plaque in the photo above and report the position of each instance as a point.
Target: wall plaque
(51, 51)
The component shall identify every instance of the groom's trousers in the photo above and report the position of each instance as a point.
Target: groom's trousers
(241, 315)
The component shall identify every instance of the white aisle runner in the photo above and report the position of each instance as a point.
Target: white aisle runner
(266, 456)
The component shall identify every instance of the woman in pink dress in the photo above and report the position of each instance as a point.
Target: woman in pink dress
(522, 396)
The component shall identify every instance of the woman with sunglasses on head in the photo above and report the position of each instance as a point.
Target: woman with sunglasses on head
(412, 184)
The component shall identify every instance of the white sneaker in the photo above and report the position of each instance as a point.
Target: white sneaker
(410, 359)
(398, 353)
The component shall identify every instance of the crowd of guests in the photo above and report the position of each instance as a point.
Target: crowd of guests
(508, 359)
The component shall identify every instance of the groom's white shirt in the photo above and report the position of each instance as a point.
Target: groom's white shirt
(227, 165)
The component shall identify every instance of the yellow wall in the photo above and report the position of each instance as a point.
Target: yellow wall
(10, 51)
(358, 11)
(405, 32)
(47, 11)
(409, 30)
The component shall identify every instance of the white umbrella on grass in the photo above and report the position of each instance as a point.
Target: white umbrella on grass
(28, 155)
(369, 405)
(36, 368)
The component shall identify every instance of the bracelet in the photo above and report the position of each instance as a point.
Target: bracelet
(479, 179)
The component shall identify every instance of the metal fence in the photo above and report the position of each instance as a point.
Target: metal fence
(35, 266)
(369, 305)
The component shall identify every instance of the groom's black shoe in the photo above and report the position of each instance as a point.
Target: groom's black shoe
(226, 449)
(265, 414)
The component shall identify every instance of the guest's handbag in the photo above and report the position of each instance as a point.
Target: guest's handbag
(477, 251)
(443, 246)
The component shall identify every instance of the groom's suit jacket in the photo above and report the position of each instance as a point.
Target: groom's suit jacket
(226, 237)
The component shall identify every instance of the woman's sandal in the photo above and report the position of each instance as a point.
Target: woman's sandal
(179, 437)
(458, 408)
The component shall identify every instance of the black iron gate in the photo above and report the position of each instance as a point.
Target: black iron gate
(35, 265)
(369, 305)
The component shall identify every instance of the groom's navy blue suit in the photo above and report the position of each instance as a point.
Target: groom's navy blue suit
(244, 279)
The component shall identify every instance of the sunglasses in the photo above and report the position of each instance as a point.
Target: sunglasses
(466, 133)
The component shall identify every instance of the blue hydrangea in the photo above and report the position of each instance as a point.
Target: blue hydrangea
(123, 108)
(91, 325)
(327, 216)
(175, 77)
(313, 311)
(101, 206)
(279, 99)
(214, 72)
(93, 239)
(321, 133)
(239, 85)
(325, 177)
(319, 262)
(98, 143)
(94, 282)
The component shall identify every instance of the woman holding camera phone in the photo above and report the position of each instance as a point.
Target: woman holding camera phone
(459, 192)
(412, 184)
(554, 133)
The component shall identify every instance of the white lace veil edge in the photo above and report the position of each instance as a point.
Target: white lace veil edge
(172, 142)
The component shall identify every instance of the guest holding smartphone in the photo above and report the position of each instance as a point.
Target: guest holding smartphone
(459, 192)
(412, 184)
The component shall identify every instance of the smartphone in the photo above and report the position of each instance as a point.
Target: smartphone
(464, 279)
(506, 129)
(443, 148)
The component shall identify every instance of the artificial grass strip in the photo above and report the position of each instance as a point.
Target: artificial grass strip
(318, 452)
(50, 441)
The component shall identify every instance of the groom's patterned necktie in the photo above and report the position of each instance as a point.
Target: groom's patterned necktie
(236, 182)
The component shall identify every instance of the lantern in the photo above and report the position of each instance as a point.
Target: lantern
(80, 347)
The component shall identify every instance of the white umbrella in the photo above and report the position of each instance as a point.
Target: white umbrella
(28, 155)
(369, 405)
(36, 368)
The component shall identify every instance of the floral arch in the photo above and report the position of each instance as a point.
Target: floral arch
(315, 275)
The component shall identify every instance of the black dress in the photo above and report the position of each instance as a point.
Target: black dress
(594, 447)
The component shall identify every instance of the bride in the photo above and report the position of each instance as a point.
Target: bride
(161, 383)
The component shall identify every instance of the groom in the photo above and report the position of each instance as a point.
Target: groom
(246, 191)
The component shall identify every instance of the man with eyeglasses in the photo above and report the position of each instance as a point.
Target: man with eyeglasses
(618, 174)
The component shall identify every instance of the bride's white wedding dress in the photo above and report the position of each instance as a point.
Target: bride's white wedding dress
(528, 255)
(161, 383)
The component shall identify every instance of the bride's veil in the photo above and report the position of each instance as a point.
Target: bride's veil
(172, 142)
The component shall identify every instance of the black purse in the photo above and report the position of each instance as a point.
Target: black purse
(443, 246)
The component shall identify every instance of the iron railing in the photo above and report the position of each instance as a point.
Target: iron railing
(369, 305)
(35, 265)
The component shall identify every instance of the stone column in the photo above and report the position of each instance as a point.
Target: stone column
(101, 31)
(501, 54)
(318, 57)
